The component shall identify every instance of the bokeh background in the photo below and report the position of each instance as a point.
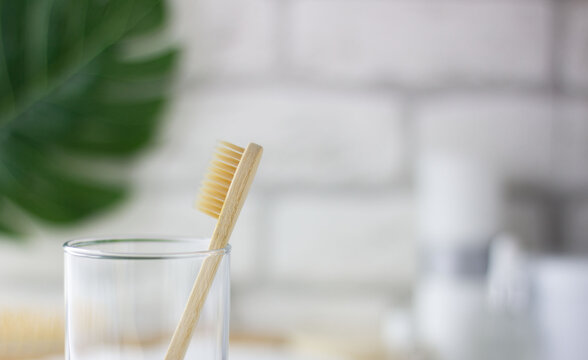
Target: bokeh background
(359, 104)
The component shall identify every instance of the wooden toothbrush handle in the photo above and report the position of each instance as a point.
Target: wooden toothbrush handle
(232, 205)
(191, 314)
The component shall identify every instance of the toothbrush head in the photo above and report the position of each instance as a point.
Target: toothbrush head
(224, 173)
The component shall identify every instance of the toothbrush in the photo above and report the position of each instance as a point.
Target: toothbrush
(222, 196)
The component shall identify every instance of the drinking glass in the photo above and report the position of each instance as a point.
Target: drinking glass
(125, 296)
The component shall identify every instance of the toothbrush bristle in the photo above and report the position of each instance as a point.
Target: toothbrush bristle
(218, 180)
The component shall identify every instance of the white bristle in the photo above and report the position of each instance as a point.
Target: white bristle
(218, 180)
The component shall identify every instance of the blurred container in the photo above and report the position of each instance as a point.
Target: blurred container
(460, 208)
(460, 201)
(561, 291)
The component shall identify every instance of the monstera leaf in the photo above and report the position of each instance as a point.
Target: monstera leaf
(72, 84)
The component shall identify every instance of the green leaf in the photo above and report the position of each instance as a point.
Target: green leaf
(68, 85)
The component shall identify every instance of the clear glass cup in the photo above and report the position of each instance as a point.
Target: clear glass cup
(125, 296)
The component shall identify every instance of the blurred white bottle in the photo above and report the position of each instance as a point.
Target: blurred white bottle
(561, 306)
(460, 204)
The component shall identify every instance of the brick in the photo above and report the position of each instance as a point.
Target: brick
(575, 227)
(421, 43)
(310, 137)
(34, 269)
(574, 54)
(528, 219)
(511, 134)
(342, 239)
(223, 37)
(279, 311)
(152, 210)
(571, 145)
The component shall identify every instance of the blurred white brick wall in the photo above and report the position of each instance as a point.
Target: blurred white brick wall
(510, 132)
(574, 44)
(310, 136)
(342, 238)
(576, 224)
(344, 95)
(421, 42)
(571, 149)
(225, 38)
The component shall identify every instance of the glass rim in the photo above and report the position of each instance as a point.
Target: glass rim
(78, 247)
